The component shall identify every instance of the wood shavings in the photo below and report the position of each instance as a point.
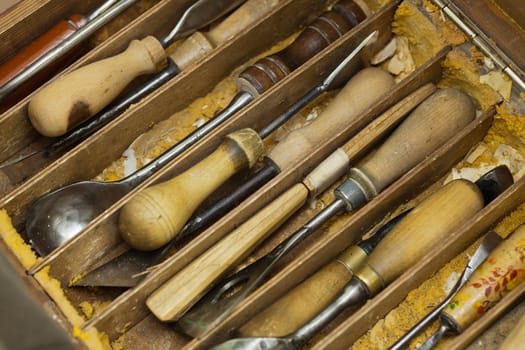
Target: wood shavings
(499, 81)
(402, 63)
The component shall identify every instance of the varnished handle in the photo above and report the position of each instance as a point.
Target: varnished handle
(200, 44)
(155, 215)
(39, 47)
(502, 271)
(430, 125)
(183, 290)
(421, 230)
(76, 96)
(361, 92)
(305, 301)
(330, 26)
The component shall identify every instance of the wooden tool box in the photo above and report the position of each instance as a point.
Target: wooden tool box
(124, 320)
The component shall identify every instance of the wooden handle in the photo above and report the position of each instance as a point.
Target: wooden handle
(516, 337)
(330, 26)
(39, 47)
(79, 95)
(305, 301)
(421, 230)
(183, 290)
(430, 125)
(361, 92)
(200, 44)
(154, 216)
(502, 271)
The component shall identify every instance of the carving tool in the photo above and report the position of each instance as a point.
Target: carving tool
(59, 215)
(80, 94)
(127, 269)
(503, 270)
(43, 44)
(494, 182)
(420, 134)
(97, 20)
(155, 215)
(87, 90)
(406, 243)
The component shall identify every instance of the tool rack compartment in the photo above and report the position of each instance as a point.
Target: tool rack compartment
(124, 319)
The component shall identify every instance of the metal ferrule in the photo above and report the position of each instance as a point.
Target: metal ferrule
(352, 258)
(374, 283)
(356, 191)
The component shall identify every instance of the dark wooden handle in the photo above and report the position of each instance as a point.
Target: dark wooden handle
(330, 26)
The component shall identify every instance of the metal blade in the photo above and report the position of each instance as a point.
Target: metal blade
(198, 15)
(491, 241)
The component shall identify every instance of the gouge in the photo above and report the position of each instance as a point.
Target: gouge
(219, 301)
(155, 215)
(420, 134)
(59, 215)
(78, 95)
(40, 59)
(499, 274)
(498, 179)
(406, 243)
(87, 90)
(127, 269)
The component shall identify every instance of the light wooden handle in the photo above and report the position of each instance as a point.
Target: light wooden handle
(430, 125)
(305, 301)
(154, 216)
(502, 271)
(79, 95)
(516, 337)
(177, 295)
(421, 230)
(361, 92)
(200, 44)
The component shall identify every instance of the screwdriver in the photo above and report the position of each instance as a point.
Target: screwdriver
(417, 233)
(152, 218)
(495, 278)
(78, 95)
(54, 44)
(419, 134)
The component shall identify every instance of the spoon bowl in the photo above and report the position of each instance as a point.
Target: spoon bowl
(60, 215)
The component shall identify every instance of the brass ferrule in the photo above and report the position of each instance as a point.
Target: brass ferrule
(370, 278)
(352, 258)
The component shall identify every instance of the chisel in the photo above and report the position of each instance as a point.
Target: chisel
(155, 215)
(219, 301)
(87, 90)
(503, 270)
(441, 115)
(416, 234)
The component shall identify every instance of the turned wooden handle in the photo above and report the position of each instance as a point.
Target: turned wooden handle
(330, 26)
(305, 301)
(361, 92)
(77, 96)
(501, 272)
(176, 296)
(421, 230)
(516, 337)
(155, 215)
(430, 125)
(200, 44)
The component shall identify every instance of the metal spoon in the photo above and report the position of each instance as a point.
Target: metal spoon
(61, 214)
